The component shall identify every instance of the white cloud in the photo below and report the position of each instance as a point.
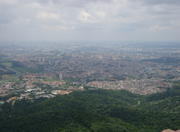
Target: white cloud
(85, 17)
(48, 16)
(35, 5)
(158, 28)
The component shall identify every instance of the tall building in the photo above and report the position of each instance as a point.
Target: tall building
(60, 76)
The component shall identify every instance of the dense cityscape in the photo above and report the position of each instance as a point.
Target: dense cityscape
(31, 73)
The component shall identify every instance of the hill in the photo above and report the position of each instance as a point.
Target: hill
(94, 111)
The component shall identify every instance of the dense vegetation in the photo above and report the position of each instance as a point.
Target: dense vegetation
(94, 111)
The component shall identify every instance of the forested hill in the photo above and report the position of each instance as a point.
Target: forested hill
(94, 111)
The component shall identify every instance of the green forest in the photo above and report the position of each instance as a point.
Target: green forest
(94, 111)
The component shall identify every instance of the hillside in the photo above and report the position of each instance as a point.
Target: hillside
(94, 111)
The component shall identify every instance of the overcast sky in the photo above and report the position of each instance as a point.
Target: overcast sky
(59, 20)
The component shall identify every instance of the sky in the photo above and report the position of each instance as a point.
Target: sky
(90, 20)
